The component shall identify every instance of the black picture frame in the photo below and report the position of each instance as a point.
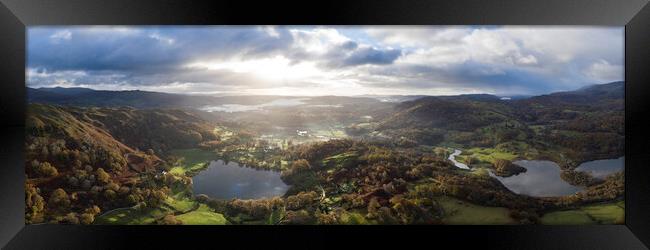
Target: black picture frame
(15, 15)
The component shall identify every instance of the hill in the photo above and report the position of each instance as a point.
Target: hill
(82, 161)
(587, 123)
(104, 98)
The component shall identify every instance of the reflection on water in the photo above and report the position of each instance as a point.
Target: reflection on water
(227, 181)
(602, 168)
(542, 179)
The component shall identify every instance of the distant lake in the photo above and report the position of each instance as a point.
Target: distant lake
(542, 179)
(227, 181)
(602, 168)
(230, 108)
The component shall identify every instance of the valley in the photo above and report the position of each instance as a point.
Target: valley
(136, 157)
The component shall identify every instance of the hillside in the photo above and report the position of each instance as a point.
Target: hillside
(457, 113)
(101, 98)
(156, 129)
(82, 161)
(587, 123)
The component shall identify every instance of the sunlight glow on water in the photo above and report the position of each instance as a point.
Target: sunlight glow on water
(230, 108)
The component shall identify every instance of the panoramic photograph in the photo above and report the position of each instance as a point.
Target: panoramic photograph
(325, 125)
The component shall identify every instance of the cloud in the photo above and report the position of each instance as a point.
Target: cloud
(556, 54)
(604, 71)
(372, 56)
(61, 35)
(326, 60)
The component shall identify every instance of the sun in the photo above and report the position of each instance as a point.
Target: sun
(276, 68)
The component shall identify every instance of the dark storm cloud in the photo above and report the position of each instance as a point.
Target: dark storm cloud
(413, 59)
(151, 49)
(467, 75)
(159, 55)
(372, 56)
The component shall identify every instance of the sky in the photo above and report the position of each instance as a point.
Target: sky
(325, 60)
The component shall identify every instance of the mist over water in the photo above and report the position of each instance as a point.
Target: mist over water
(230, 108)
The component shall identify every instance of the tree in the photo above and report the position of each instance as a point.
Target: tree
(131, 199)
(58, 199)
(441, 152)
(300, 165)
(373, 207)
(86, 218)
(94, 210)
(102, 176)
(112, 186)
(501, 164)
(45, 169)
(34, 205)
(110, 194)
(296, 171)
(71, 218)
(170, 220)
(470, 160)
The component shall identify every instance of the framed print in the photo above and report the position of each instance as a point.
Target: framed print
(134, 124)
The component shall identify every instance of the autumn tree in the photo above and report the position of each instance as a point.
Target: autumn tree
(441, 152)
(501, 164)
(71, 218)
(102, 176)
(296, 171)
(170, 220)
(58, 199)
(34, 205)
(45, 169)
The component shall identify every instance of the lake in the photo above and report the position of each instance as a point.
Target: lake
(542, 179)
(230, 108)
(602, 168)
(227, 181)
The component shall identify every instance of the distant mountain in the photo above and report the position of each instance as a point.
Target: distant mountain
(470, 112)
(464, 112)
(147, 99)
(514, 97)
(84, 97)
(104, 98)
(473, 97)
(613, 89)
(67, 91)
(394, 98)
(588, 95)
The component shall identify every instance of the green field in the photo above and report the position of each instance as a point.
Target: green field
(459, 212)
(180, 205)
(608, 213)
(570, 217)
(191, 160)
(354, 218)
(489, 154)
(192, 214)
(202, 216)
(481, 171)
(131, 216)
